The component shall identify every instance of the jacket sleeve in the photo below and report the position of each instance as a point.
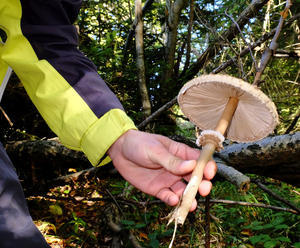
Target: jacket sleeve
(62, 83)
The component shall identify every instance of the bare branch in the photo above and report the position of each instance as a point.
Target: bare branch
(270, 192)
(157, 113)
(241, 33)
(233, 175)
(250, 204)
(212, 50)
(127, 201)
(6, 116)
(293, 123)
(257, 43)
(273, 45)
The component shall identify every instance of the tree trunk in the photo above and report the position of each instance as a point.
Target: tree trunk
(139, 44)
(173, 13)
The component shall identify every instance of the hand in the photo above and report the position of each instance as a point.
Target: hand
(156, 165)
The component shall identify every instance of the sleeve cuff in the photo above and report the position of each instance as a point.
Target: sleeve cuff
(103, 133)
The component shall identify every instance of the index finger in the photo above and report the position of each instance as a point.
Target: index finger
(180, 150)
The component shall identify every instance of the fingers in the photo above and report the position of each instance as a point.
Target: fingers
(205, 187)
(170, 162)
(168, 197)
(172, 195)
(210, 170)
(180, 159)
(180, 150)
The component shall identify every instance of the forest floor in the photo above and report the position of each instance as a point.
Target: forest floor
(105, 211)
(97, 212)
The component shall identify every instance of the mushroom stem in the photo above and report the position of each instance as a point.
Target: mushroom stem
(181, 211)
(227, 115)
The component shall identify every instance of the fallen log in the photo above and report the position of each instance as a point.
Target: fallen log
(276, 157)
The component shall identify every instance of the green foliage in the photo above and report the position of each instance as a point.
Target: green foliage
(77, 223)
(257, 226)
(55, 209)
(104, 27)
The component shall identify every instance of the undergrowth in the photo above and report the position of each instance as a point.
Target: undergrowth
(84, 223)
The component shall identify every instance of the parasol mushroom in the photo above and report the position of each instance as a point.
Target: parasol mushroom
(230, 106)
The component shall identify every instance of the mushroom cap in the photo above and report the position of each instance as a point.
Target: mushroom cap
(204, 98)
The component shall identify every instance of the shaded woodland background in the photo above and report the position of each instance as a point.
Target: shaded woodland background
(181, 39)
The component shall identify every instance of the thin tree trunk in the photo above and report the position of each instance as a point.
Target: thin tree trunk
(173, 13)
(130, 35)
(189, 36)
(139, 44)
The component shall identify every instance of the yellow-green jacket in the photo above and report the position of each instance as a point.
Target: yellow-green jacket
(41, 47)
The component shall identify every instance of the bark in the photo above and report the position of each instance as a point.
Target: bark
(139, 44)
(277, 157)
(228, 35)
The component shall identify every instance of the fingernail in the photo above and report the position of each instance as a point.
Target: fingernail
(173, 200)
(188, 162)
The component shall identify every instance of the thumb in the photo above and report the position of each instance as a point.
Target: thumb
(172, 163)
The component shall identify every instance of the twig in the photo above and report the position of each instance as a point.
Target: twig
(212, 201)
(250, 204)
(207, 221)
(77, 199)
(216, 70)
(6, 116)
(273, 45)
(270, 192)
(293, 123)
(241, 33)
(115, 201)
(157, 113)
(257, 43)
(250, 11)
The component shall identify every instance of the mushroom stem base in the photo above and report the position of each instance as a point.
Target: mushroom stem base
(181, 211)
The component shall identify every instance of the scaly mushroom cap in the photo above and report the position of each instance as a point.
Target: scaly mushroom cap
(204, 98)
